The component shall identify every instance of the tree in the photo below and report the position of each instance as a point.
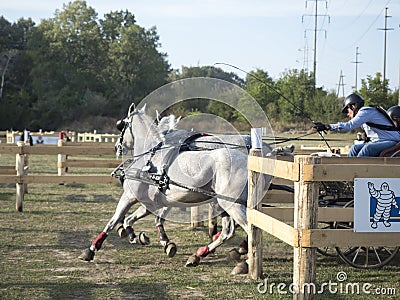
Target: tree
(205, 105)
(375, 91)
(89, 67)
(297, 90)
(263, 89)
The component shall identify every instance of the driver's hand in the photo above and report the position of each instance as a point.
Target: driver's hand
(321, 127)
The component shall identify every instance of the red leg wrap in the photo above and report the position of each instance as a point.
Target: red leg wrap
(99, 240)
(202, 251)
(215, 236)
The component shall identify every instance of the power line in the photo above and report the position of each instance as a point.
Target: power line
(341, 84)
(356, 62)
(385, 29)
(315, 15)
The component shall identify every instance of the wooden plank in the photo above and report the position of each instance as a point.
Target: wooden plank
(275, 167)
(90, 163)
(277, 228)
(284, 214)
(9, 178)
(283, 181)
(8, 170)
(325, 214)
(9, 149)
(337, 214)
(90, 144)
(360, 160)
(84, 179)
(346, 237)
(94, 149)
(277, 196)
(75, 150)
(349, 172)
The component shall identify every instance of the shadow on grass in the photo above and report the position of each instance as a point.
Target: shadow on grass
(44, 290)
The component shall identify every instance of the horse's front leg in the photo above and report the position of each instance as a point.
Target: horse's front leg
(124, 204)
(227, 232)
(169, 247)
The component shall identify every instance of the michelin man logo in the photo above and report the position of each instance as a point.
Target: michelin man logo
(385, 199)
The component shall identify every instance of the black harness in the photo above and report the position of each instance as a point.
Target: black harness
(391, 127)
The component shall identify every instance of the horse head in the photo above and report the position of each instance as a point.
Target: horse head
(137, 125)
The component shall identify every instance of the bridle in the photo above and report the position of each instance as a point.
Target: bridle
(122, 125)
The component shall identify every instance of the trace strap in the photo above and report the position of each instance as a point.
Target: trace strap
(163, 181)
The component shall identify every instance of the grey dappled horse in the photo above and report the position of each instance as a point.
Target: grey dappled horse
(196, 177)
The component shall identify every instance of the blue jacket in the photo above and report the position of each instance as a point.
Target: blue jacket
(364, 115)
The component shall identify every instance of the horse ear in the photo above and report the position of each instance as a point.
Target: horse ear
(131, 109)
(143, 108)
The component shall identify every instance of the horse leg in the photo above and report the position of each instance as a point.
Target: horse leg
(213, 220)
(228, 230)
(138, 214)
(238, 212)
(169, 247)
(124, 204)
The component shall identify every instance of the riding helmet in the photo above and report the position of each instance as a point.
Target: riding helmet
(352, 99)
(394, 113)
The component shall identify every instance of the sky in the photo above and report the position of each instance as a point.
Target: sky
(272, 35)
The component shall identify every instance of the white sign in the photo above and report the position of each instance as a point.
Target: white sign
(376, 204)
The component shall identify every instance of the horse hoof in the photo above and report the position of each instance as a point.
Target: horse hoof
(233, 255)
(242, 250)
(119, 228)
(193, 261)
(170, 249)
(122, 232)
(240, 268)
(87, 255)
(144, 239)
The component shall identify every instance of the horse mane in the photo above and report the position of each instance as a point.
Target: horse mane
(167, 124)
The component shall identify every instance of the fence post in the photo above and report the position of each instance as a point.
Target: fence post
(19, 167)
(61, 158)
(254, 233)
(194, 217)
(305, 217)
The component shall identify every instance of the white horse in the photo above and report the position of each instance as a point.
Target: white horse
(167, 125)
(195, 177)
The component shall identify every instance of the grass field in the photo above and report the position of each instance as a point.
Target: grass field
(39, 251)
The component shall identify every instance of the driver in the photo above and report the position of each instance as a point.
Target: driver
(379, 128)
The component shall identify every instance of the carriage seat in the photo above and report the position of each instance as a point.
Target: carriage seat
(391, 152)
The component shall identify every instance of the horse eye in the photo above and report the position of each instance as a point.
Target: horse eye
(120, 125)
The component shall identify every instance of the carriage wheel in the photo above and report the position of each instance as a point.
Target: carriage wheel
(364, 257)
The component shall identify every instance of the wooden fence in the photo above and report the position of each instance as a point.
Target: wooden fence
(305, 173)
(12, 137)
(19, 174)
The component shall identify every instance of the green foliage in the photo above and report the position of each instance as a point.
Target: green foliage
(375, 91)
(263, 89)
(74, 66)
